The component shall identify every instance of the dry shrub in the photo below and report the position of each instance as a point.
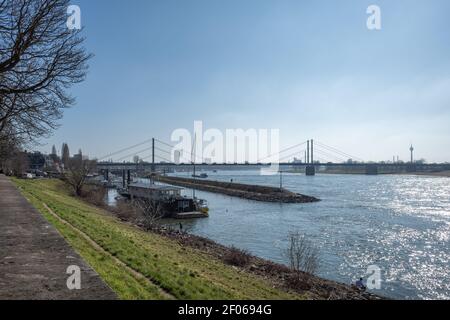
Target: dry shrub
(276, 269)
(237, 257)
(149, 211)
(299, 281)
(303, 258)
(302, 254)
(125, 211)
(94, 194)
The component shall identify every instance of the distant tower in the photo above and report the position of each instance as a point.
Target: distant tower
(412, 154)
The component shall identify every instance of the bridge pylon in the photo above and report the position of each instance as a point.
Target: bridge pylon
(371, 169)
(310, 169)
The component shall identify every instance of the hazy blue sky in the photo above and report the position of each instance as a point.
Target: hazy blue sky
(310, 68)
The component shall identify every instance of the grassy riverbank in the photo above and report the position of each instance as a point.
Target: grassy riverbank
(137, 264)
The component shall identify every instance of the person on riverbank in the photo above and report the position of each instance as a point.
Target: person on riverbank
(360, 285)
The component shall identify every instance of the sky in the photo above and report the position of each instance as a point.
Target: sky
(311, 69)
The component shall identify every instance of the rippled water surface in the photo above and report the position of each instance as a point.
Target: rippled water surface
(400, 223)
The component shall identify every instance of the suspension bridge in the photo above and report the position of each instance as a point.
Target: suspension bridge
(310, 157)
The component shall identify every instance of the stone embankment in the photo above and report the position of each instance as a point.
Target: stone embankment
(246, 191)
(281, 276)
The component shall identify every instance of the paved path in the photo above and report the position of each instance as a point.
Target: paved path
(34, 257)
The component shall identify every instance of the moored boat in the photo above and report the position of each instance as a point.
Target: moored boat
(173, 204)
(201, 176)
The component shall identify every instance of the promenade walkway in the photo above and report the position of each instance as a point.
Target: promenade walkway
(34, 257)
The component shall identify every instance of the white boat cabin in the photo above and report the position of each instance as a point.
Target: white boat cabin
(153, 191)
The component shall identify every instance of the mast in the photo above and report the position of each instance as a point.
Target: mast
(193, 161)
(281, 180)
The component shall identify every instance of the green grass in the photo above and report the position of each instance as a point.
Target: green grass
(174, 271)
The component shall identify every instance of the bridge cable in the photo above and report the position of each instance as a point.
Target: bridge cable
(292, 155)
(191, 153)
(284, 150)
(326, 154)
(259, 160)
(125, 149)
(335, 150)
(133, 154)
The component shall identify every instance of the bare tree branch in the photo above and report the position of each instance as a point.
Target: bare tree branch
(76, 173)
(150, 210)
(40, 59)
(302, 254)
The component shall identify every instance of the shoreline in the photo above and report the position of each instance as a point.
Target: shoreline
(441, 174)
(438, 174)
(315, 287)
(279, 275)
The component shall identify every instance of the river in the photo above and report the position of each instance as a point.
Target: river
(399, 223)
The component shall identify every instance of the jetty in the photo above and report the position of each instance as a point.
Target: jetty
(246, 191)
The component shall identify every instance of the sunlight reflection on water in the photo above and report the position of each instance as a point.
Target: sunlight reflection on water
(400, 223)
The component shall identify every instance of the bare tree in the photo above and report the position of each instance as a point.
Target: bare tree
(76, 173)
(16, 163)
(20, 163)
(302, 254)
(40, 59)
(150, 210)
(11, 152)
(8, 145)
